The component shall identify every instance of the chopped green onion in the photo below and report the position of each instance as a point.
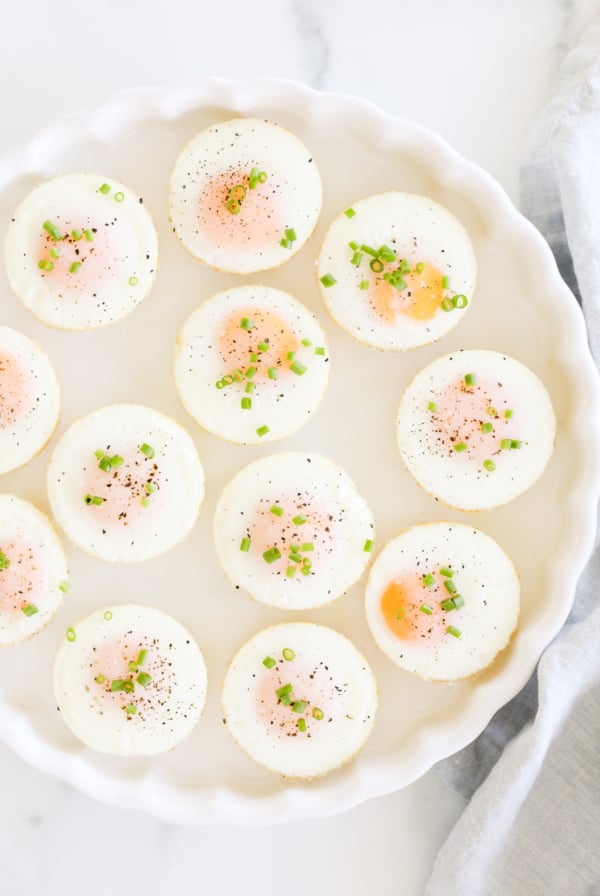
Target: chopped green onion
(425, 608)
(30, 610)
(246, 324)
(93, 499)
(285, 243)
(376, 265)
(52, 230)
(105, 188)
(470, 379)
(356, 259)
(446, 571)
(301, 725)
(100, 679)
(132, 666)
(262, 177)
(89, 235)
(147, 450)
(116, 684)
(448, 604)
(429, 580)
(238, 192)
(328, 280)
(108, 615)
(105, 465)
(298, 368)
(319, 350)
(369, 250)
(353, 245)
(64, 586)
(272, 373)
(419, 267)
(400, 613)
(76, 234)
(251, 373)
(307, 546)
(263, 346)
(150, 488)
(45, 265)
(299, 520)
(119, 197)
(305, 570)
(130, 709)
(288, 654)
(489, 465)
(508, 414)
(245, 545)
(246, 403)
(144, 679)
(515, 443)
(4, 561)
(299, 706)
(277, 510)
(290, 572)
(70, 636)
(404, 266)
(459, 601)
(460, 446)
(447, 304)
(364, 284)
(487, 427)
(506, 444)
(460, 301)
(75, 267)
(128, 686)
(368, 546)
(432, 406)
(295, 557)
(290, 234)
(317, 713)
(349, 212)
(286, 700)
(454, 631)
(450, 586)
(284, 690)
(54, 253)
(272, 554)
(291, 356)
(116, 461)
(262, 431)
(268, 662)
(492, 412)
(145, 502)
(142, 657)
(133, 281)
(445, 282)
(306, 342)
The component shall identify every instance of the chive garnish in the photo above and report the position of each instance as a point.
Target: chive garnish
(508, 414)
(489, 465)
(100, 679)
(460, 301)
(108, 615)
(246, 403)
(450, 586)
(432, 406)
(93, 499)
(301, 725)
(75, 267)
(119, 197)
(445, 282)
(271, 554)
(419, 267)
(116, 684)
(425, 608)
(64, 586)
(4, 561)
(290, 572)
(298, 368)
(368, 546)
(290, 234)
(317, 713)
(506, 444)
(30, 610)
(245, 545)
(319, 350)
(454, 631)
(144, 679)
(288, 654)
(268, 662)
(350, 212)
(470, 379)
(307, 546)
(104, 188)
(460, 446)
(142, 657)
(328, 280)
(299, 520)
(447, 304)
(262, 431)
(283, 690)
(277, 510)
(487, 427)
(147, 450)
(299, 706)
(133, 281)
(70, 636)
(89, 236)
(45, 265)
(458, 601)
(446, 571)
(272, 373)
(130, 709)
(364, 284)
(246, 324)
(428, 580)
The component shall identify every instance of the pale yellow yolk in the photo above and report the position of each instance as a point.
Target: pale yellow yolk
(421, 299)
(25, 580)
(236, 343)
(401, 604)
(13, 390)
(464, 413)
(259, 222)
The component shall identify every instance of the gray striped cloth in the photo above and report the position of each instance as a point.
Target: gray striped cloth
(532, 824)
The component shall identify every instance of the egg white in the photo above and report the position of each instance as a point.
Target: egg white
(29, 399)
(154, 522)
(459, 478)
(327, 673)
(225, 154)
(118, 263)
(418, 230)
(282, 405)
(339, 526)
(483, 575)
(103, 644)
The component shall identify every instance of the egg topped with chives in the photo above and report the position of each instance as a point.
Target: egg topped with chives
(81, 251)
(29, 399)
(397, 270)
(300, 699)
(245, 195)
(442, 601)
(34, 577)
(292, 530)
(130, 681)
(476, 429)
(251, 364)
(125, 483)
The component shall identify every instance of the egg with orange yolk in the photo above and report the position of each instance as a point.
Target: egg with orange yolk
(300, 699)
(251, 364)
(442, 601)
(130, 681)
(125, 483)
(29, 399)
(293, 531)
(397, 270)
(476, 429)
(245, 195)
(81, 251)
(34, 577)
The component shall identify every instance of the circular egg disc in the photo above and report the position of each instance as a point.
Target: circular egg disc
(245, 195)
(130, 681)
(125, 483)
(299, 699)
(81, 251)
(33, 570)
(397, 271)
(476, 428)
(442, 601)
(251, 364)
(292, 530)
(29, 399)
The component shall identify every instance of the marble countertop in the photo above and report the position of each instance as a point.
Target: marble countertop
(478, 74)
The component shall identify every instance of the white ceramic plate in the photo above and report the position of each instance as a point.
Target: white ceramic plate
(522, 308)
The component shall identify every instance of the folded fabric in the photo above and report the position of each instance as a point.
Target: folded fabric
(534, 774)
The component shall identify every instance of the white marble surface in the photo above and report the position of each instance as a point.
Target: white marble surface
(476, 72)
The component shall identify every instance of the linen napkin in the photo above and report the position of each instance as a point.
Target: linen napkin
(532, 824)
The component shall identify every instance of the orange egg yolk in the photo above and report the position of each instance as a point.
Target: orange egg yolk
(265, 328)
(405, 605)
(256, 222)
(13, 390)
(421, 299)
